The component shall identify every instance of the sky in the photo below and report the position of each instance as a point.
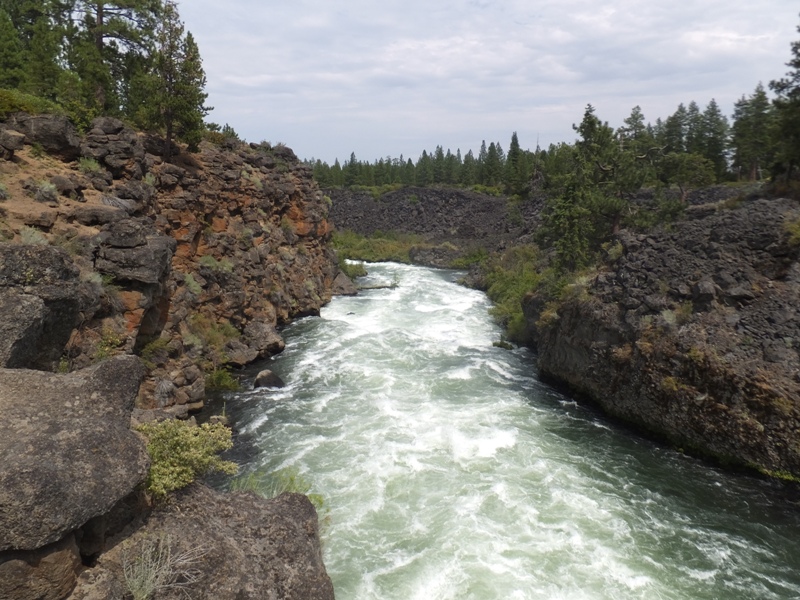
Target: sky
(385, 78)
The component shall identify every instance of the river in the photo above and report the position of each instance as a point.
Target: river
(449, 471)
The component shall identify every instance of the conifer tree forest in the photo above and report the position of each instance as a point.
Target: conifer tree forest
(129, 59)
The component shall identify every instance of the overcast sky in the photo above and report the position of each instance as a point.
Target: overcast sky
(392, 77)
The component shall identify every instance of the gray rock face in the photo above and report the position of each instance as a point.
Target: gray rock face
(264, 338)
(55, 133)
(66, 450)
(693, 334)
(248, 548)
(41, 297)
(115, 146)
(133, 251)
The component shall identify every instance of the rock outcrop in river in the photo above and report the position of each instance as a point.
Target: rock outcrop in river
(108, 253)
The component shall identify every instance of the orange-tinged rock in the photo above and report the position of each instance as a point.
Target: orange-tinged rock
(324, 228)
(218, 224)
(131, 300)
(184, 251)
(295, 213)
(303, 228)
(133, 319)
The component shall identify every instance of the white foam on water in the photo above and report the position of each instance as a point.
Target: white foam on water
(452, 472)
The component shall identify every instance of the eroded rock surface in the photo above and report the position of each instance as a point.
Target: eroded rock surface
(693, 334)
(41, 301)
(66, 450)
(246, 548)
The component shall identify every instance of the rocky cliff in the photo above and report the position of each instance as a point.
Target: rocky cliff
(465, 219)
(139, 281)
(691, 333)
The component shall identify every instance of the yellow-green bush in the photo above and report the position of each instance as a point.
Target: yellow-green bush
(181, 452)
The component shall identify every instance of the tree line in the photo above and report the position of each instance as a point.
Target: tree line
(130, 59)
(691, 146)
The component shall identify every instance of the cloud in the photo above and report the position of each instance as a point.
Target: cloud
(399, 77)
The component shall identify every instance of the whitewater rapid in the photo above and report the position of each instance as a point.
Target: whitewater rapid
(450, 472)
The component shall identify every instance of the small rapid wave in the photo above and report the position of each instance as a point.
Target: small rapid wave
(451, 472)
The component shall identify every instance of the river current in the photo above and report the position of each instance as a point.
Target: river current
(449, 471)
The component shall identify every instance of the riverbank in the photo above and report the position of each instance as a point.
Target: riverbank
(128, 286)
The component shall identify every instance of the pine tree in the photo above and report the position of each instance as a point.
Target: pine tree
(177, 83)
(11, 57)
(695, 131)
(787, 104)
(752, 142)
(673, 134)
(42, 70)
(714, 138)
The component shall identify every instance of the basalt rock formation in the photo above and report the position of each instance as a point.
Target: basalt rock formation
(463, 219)
(135, 279)
(692, 334)
(237, 546)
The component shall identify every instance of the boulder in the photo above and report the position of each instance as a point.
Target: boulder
(240, 546)
(66, 450)
(41, 297)
(264, 338)
(10, 142)
(267, 378)
(343, 286)
(47, 573)
(55, 133)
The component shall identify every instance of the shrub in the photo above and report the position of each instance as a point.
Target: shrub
(110, 340)
(45, 192)
(153, 565)
(89, 166)
(4, 193)
(37, 150)
(155, 352)
(32, 236)
(380, 247)
(508, 278)
(192, 285)
(221, 380)
(352, 269)
(219, 266)
(793, 229)
(12, 101)
(181, 452)
(473, 257)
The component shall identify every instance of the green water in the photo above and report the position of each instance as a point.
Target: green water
(450, 472)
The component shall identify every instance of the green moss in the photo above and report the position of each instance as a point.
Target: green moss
(793, 229)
